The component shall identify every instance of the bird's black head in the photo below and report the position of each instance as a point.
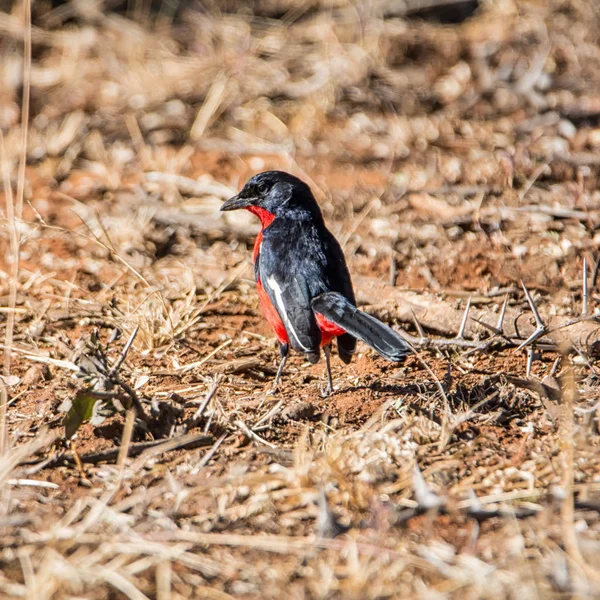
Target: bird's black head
(275, 194)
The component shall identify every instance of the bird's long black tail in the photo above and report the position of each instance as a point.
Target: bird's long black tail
(383, 339)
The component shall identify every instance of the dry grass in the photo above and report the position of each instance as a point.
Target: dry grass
(452, 161)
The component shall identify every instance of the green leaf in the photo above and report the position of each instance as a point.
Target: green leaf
(81, 410)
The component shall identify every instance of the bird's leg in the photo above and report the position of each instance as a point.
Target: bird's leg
(327, 352)
(283, 353)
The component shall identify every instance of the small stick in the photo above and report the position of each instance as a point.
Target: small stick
(584, 308)
(463, 325)
(134, 398)
(211, 393)
(530, 355)
(326, 525)
(33, 483)
(532, 338)
(393, 270)
(575, 321)
(501, 291)
(209, 422)
(62, 364)
(206, 458)
(500, 324)
(135, 449)
(541, 328)
(126, 439)
(595, 272)
(239, 366)
(493, 329)
(418, 326)
(531, 181)
(426, 498)
(191, 187)
(270, 413)
(185, 368)
(79, 464)
(499, 328)
(126, 349)
(536, 314)
(250, 434)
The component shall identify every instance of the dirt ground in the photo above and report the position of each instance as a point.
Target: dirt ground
(144, 455)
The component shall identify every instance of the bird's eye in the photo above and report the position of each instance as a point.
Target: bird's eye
(262, 187)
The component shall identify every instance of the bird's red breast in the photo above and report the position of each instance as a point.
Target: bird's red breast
(271, 314)
(328, 329)
(266, 218)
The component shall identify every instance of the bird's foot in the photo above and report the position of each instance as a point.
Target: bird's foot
(326, 391)
(329, 389)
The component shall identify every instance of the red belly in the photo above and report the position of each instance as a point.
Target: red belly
(271, 314)
(328, 329)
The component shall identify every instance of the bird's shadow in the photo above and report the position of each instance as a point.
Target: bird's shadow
(485, 397)
(411, 389)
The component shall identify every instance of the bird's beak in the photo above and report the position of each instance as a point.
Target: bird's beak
(236, 203)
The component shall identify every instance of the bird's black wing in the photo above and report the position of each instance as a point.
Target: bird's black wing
(286, 270)
(382, 338)
(338, 280)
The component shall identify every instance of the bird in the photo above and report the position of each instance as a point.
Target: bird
(302, 279)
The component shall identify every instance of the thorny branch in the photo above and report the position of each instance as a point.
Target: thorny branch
(102, 382)
(499, 339)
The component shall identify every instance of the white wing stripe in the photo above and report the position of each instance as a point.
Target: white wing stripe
(281, 306)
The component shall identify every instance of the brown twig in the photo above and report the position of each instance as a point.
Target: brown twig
(187, 442)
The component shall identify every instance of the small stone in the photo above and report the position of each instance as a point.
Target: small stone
(519, 250)
(36, 374)
(567, 129)
(301, 411)
(594, 138)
